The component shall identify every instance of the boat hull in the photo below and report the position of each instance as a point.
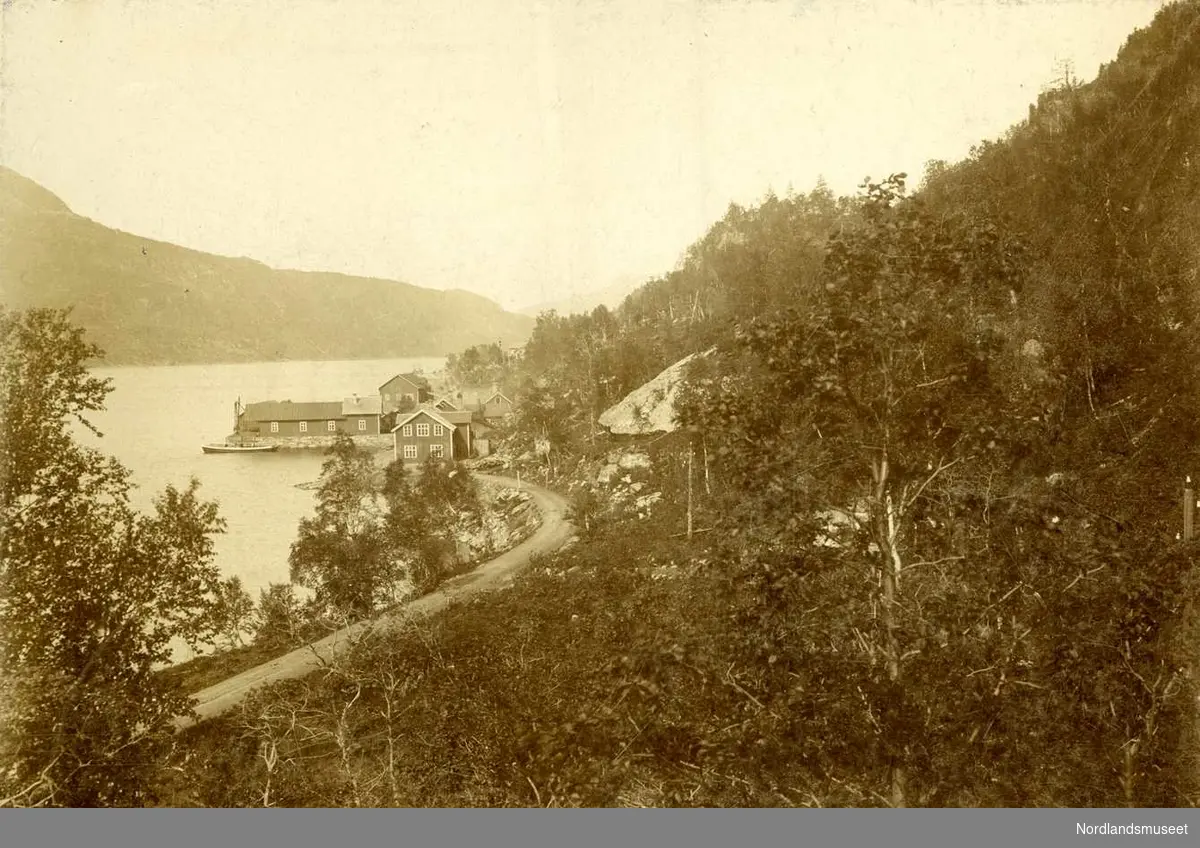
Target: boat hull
(239, 448)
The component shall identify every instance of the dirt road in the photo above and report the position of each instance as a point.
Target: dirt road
(551, 535)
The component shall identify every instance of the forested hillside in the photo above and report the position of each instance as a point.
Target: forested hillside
(147, 302)
(1092, 200)
(1100, 185)
(752, 261)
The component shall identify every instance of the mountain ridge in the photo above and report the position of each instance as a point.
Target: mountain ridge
(152, 302)
(610, 297)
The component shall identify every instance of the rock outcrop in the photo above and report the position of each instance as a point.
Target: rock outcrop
(650, 408)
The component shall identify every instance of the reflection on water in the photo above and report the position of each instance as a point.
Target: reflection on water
(158, 417)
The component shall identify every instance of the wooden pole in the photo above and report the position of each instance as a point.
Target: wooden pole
(689, 491)
(1189, 510)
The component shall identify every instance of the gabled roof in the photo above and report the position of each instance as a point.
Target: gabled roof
(412, 379)
(362, 405)
(432, 413)
(449, 405)
(285, 410)
(494, 396)
(457, 416)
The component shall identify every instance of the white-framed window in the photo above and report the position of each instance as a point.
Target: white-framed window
(406, 430)
(409, 397)
(362, 425)
(410, 451)
(437, 451)
(331, 426)
(303, 426)
(439, 430)
(274, 426)
(422, 429)
(387, 396)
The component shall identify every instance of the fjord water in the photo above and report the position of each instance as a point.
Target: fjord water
(157, 418)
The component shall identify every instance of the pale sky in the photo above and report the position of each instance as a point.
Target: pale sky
(520, 149)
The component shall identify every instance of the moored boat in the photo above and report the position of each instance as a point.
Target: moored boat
(238, 443)
(235, 448)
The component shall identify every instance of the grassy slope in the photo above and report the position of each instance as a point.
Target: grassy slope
(572, 688)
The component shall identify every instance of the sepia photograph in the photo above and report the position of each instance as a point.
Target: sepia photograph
(602, 404)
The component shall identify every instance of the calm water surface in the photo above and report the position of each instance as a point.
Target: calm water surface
(158, 417)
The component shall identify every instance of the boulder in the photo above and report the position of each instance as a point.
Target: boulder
(650, 408)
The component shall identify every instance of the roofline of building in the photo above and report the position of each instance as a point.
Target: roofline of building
(432, 413)
(407, 378)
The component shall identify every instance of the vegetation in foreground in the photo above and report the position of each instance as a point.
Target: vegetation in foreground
(94, 596)
(933, 561)
(637, 669)
(375, 540)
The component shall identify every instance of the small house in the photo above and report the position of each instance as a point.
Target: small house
(496, 406)
(404, 392)
(423, 434)
(480, 438)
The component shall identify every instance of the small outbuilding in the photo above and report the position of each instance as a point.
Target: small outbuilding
(496, 406)
(404, 392)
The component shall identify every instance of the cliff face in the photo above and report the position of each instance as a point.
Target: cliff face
(148, 302)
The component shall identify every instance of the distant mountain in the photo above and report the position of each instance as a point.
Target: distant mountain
(610, 296)
(149, 302)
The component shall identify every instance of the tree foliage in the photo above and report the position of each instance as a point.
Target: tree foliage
(479, 365)
(899, 549)
(422, 515)
(237, 612)
(752, 260)
(92, 594)
(341, 552)
(377, 534)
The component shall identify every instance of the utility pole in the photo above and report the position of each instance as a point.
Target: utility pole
(1189, 510)
(691, 452)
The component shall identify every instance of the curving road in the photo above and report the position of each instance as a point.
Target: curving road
(551, 535)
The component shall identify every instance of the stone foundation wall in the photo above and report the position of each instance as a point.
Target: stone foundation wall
(323, 442)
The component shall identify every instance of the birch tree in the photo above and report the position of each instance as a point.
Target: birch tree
(880, 402)
(341, 552)
(92, 593)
